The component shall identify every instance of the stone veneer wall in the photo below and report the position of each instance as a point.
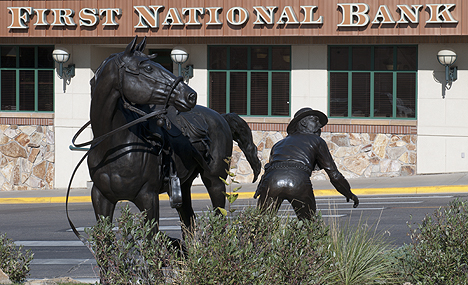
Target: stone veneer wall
(357, 155)
(27, 157)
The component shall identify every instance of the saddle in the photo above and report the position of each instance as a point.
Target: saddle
(189, 137)
(193, 126)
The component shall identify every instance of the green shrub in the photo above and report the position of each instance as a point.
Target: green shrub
(131, 254)
(255, 248)
(250, 247)
(438, 253)
(359, 255)
(13, 261)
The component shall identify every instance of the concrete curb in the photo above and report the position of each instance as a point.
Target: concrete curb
(247, 195)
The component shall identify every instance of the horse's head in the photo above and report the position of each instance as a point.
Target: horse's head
(143, 81)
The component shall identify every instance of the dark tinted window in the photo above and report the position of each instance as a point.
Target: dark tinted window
(361, 58)
(218, 91)
(27, 78)
(281, 58)
(339, 58)
(218, 57)
(8, 57)
(27, 57)
(381, 82)
(383, 58)
(259, 58)
(238, 58)
(238, 96)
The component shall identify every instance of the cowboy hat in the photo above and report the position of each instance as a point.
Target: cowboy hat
(304, 112)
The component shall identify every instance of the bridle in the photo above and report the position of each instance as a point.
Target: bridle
(123, 67)
(160, 114)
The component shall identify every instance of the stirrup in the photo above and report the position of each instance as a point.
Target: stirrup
(175, 191)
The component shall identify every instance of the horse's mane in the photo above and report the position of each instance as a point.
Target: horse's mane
(98, 71)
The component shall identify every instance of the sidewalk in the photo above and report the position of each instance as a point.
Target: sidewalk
(418, 184)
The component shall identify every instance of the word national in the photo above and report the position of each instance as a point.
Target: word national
(153, 16)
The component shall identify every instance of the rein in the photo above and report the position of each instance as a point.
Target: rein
(93, 143)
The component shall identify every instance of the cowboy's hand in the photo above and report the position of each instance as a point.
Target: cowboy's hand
(355, 199)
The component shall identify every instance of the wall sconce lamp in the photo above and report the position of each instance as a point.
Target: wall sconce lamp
(61, 55)
(447, 58)
(179, 55)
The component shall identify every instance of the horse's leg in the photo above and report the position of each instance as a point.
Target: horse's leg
(148, 200)
(102, 206)
(186, 213)
(216, 189)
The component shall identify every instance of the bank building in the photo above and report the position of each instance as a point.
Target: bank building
(390, 75)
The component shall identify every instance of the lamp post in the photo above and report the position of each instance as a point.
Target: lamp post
(61, 55)
(179, 55)
(447, 58)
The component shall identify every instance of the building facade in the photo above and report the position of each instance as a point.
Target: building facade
(370, 65)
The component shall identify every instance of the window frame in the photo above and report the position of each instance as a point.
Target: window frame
(349, 71)
(36, 70)
(249, 71)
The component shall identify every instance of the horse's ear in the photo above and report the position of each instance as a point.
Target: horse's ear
(141, 46)
(131, 46)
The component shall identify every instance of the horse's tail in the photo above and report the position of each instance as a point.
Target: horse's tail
(242, 134)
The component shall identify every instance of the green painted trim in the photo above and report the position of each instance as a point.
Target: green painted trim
(329, 90)
(372, 95)
(290, 92)
(36, 89)
(249, 93)
(395, 90)
(228, 92)
(24, 112)
(207, 87)
(270, 83)
(17, 90)
(350, 94)
(416, 97)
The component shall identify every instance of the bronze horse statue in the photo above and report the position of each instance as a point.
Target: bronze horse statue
(137, 163)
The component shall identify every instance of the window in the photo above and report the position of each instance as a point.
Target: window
(250, 80)
(372, 81)
(26, 78)
(163, 58)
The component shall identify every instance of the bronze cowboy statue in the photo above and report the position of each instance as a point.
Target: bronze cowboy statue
(287, 175)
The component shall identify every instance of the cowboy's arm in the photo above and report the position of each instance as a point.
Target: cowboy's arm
(325, 161)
